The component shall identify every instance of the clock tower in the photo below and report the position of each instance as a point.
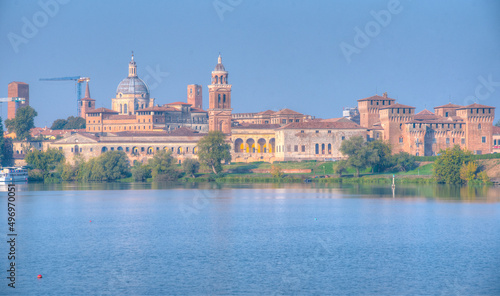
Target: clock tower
(219, 109)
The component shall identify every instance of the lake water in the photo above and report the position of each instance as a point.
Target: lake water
(296, 239)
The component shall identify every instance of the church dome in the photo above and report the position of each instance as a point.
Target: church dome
(219, 67)
(134, 86)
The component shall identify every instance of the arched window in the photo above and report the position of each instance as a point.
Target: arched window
(329, 148)
(224, 98)
(216, 80)
(317, 148)
(322, 148)
(219, 98)
(121, 108)
(125, 109)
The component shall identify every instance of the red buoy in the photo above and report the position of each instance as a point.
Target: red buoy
(39, 276)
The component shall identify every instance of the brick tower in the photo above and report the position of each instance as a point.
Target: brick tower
(194, 95)
(393, 119)
(219, 110)
(86, 103)
(478, 127)
(369, 109)
(17, 89)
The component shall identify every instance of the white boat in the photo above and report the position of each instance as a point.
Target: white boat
(13, 174)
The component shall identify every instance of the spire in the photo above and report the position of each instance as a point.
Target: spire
(132, 67)
(87, 91)
(219, 66)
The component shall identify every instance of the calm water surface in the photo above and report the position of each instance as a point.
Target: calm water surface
(144, 239)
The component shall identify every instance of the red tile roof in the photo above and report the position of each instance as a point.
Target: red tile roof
(267, 112)
(496, 130)
(476, 105)
(341, 124)
(376, 97)
(287, 112)
(198, 110)
(425, 115)
(449, 105)
(178, 103)
(397, 105)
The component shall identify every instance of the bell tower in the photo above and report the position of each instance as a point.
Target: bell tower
(219, 109)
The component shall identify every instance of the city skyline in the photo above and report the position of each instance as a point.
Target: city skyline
(315, 58)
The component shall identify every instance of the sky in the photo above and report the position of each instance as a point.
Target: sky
(314, 57)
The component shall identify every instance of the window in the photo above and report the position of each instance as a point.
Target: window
(446, 114)
(317, 132)
(317, 148)
(447, 140)
(483, 140)
(400, 139)
(296, 148)
(479, 126)
(329, 132)
(343, 138)
(296, 120)
(463, 141)
(127, 149)
(283, 121)
(301, 132)
(303, 148)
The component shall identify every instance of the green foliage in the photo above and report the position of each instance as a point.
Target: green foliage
(22, 123)
(163, 166)
(468, 171)
(498, 123)
(212, 150)
(7, 153)
(45, 161)
(6, 150)
(140, 172)
(276, 171)
(360, 153)
(448, 164)
(190, 167)
(109, 166)
(404, 162)
(340, 167)
(383, 151)
(483, 177)
(70, 123)
(113, 164)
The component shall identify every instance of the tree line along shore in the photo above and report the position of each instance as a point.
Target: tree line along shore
(367, 162)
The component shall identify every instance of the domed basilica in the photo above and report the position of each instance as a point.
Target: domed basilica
(132, 94)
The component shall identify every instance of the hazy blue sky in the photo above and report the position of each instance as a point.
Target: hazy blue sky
(308, 56)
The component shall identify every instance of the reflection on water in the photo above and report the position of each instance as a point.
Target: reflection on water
(264, 239)
(438, 192)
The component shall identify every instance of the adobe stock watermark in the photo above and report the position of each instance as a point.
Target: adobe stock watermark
(484, 89)
(200, 201)
(156, 75)
(372, 29)
(223, 6)
(40, 19)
